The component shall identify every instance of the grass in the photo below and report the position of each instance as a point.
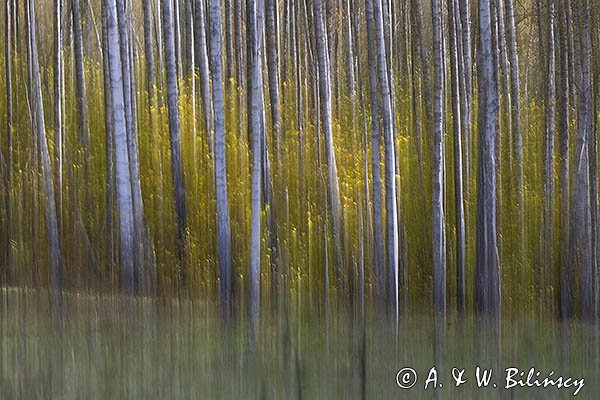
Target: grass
(133, 348)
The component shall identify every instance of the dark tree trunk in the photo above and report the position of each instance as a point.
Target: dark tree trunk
(375, 154)
(581, 254)
(566, 268)
(550, 112)
(81, 92)
(8, 37)
(487, 283)
(273, 69)
(516, 128)
(458, 124)
(175, 140)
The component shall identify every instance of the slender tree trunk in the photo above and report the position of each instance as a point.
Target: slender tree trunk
(594, 198)
(256, 113)
(300, 85)
(438, 215)
(109, 141)
(177, 33)
(149, 55)
(8, 36)
(550, 111)
(326, 120)
(424, 60)
(351, 61)
(375, 156)
(35, 158)
(203, 68)
(159, 51)
(465, 23)
(458, 124)
(175, 139)
(390, 160)
(191, 76)
(566, 268)
(368, 230)
(223, 227)
(487, 283)
(84, 153)
(273, 69)
(81, 92)
(124, 18)
(517, 131)
(123, 177)
(498, 82)
(239, 42)
(266, 181)
(580, 217)
(414, 74)
(572, 50)
(58, 103)
(229, 58)
(188, 38)
(40, 125)
(465, 70)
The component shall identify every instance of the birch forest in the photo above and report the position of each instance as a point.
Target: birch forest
(296, 198)
(393, 153)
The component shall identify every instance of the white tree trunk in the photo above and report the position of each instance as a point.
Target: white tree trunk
(256, 114)
(122, 171)
(203, 69)
(390, 159)
(223, 223)
(40, 126)
(487, 283)
(326, 120)
(438, 181)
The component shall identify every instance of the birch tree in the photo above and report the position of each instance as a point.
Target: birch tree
(458, 123)
(149, 54)
(550, 112)
(81, 92)
(581, 253)
(380, 258)
(124, 26)
(390, 159)
(175, 138)
(273, 70)
(566, 267)
(517, 130)
(203, 68)
(40, 128)
(223, 222)
(326, 121)
(438, 217)
(122, 172)
(109, 144)
(58, 103)
(8, 34)
(487, 283)
(256, 114)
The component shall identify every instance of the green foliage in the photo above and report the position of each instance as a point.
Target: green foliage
(299, 206)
